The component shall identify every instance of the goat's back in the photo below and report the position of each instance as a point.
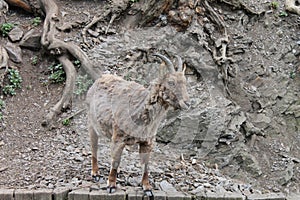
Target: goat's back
(114, 103)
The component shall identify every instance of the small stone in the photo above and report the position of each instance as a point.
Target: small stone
(31, 40)
(14, 52)
(207, 185)
(93, 33)
(34, 148)
(167, 187)
(194, 161)
(178, 166)
(51, 186)
(78, 158)
(133, 181)
(199, 189)
(15, 34)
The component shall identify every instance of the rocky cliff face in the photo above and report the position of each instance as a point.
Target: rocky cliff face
(245, 110)
(243, 76)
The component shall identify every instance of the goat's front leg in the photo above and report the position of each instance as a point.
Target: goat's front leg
(116, 153)
(145, 149)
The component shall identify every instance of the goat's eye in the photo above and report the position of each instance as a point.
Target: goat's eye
(171, 83)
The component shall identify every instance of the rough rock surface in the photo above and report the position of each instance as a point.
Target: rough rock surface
(240, 135)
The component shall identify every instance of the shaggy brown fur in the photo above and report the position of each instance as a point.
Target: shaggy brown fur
(128, 113)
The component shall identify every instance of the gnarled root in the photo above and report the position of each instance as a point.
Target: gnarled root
(95, 20)
(21, 4)
(66, 98)
(61, 49)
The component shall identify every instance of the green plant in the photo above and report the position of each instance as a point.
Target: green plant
(77, 63)
(57, 73)
(2, 106)
(34, 60)
(283, 14)
(36, 21)
(66, 122)
(6, 28)
(274, 5)
(29, 87)
(82, 84)
(292, 75)
(15, 81)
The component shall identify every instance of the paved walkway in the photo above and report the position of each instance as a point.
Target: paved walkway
(131, 194)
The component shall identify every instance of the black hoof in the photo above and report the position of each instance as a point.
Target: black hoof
(111, 189)
(96, 178)
(149, 194)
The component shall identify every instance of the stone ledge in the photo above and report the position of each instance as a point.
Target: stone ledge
(131, 194)
(270, 196)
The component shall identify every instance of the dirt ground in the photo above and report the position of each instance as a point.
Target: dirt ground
(33, 156)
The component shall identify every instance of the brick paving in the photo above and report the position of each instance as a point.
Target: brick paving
(131, 194)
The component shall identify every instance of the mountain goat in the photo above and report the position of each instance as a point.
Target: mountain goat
(129, 113)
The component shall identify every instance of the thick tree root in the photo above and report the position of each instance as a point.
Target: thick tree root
(62, 49)
(66, 98)
(3, 64)
(3, 9)
(219, 51)
(290, 6)
(240, 4)
(95, 20)
(21, 4)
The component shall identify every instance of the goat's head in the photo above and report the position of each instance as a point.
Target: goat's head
(173, 84)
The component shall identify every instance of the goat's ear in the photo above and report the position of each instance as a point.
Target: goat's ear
(162, 70)
(179, 63)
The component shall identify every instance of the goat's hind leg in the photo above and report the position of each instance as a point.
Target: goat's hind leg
(94, 148)
(116, 153)
(145, 150)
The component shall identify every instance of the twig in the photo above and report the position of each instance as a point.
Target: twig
(3, 169)
(73, 115)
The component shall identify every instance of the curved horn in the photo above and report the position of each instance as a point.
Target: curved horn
(169, 64)
(179, 63)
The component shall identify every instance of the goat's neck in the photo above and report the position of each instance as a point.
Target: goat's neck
(156, 104)
(154, 108)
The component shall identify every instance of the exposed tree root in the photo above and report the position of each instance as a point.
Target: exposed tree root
(95, 20)
(61, 49)
(110, 22)
(72, 115)
(290, 6)
(21, 4)
(240, 4)
(144, 13)
(3, 57)
(3, 64)
(219, 51)
(66, 98)
(3, 9)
